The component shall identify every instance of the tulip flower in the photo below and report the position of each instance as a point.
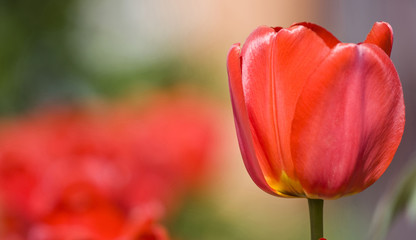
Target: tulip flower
(315, 117)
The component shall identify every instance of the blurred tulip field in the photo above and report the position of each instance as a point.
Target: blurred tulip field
(116, 123)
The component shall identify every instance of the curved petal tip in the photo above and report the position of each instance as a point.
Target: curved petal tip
(233, 61)
(329, 39)
(236, 47)
(381, 35)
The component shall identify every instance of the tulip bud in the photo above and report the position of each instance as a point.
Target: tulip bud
(315, 117)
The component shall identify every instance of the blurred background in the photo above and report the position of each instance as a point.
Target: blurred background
(116, 115)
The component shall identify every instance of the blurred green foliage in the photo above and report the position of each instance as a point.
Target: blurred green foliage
(203, 219)
(38, 62)
(35, 57)
(399, 199)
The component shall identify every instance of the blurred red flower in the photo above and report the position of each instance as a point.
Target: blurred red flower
(101, 173)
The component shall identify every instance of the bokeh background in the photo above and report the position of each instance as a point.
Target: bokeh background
(147, 80)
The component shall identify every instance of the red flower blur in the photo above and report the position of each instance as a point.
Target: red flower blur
(101, 174)
(315, 117)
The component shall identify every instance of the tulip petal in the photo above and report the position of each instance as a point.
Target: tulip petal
(381, 35)
(297, 53)
(384, 122)
(330, 40)
(258, 94)
(241, 119)
(348, 122)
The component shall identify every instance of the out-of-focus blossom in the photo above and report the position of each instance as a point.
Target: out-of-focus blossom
(315, 117)
(83, 213)
(110, 173)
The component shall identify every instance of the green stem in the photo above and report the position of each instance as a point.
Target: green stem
(316, 207)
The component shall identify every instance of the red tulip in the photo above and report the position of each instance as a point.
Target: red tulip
(315, 117)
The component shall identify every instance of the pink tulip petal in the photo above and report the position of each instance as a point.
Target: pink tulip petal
(381, 35)
(241, 119)
(385, 120)
(348, 122)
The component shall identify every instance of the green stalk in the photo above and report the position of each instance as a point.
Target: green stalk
(316, 207)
